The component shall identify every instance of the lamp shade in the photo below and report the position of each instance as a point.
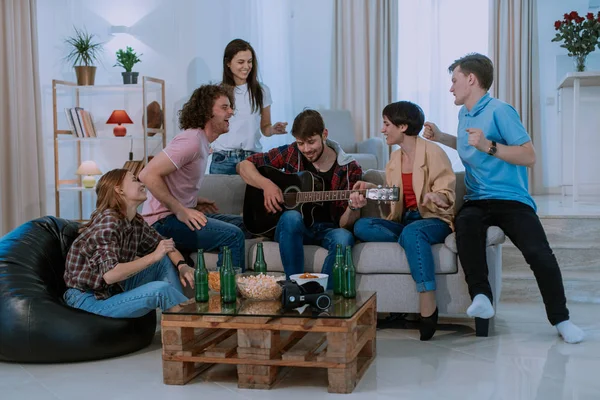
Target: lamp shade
(119, 117)
(88, 168)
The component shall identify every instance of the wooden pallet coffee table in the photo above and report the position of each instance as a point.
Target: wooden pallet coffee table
(259, 338)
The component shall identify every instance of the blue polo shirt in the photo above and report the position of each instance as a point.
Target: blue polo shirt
(488, 177)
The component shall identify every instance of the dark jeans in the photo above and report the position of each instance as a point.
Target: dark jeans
(220, 230)
(522, 225)
(224, 162)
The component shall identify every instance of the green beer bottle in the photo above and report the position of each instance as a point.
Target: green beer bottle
(260, 265)
(338, 271)
(228, 289)
(201, 278)
(223, 259)
(349, 275)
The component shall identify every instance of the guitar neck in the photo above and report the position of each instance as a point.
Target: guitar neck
(328, 195)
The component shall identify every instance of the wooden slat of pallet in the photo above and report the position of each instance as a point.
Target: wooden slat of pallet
(234, 359)
(273, 325)
(223, 349)
(306, 347)
(199, 346)
(365, 334)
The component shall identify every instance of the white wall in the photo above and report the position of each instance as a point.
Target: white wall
(554, 64)
(182, 42)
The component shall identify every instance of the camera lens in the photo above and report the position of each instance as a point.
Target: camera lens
(323, 302)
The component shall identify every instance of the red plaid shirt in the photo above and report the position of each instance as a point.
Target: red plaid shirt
(288, 158)
(109, 240)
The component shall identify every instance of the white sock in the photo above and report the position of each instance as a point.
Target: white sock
(481, 307)
(570, 332)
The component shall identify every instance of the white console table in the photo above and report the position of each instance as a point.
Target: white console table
(570, 98)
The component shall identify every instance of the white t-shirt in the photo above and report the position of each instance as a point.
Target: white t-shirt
(244, 127)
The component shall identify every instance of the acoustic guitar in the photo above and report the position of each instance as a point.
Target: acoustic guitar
(303, 192)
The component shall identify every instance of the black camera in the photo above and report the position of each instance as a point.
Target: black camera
(312, 293)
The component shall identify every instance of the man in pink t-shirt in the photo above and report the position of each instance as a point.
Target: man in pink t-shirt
(174, 176)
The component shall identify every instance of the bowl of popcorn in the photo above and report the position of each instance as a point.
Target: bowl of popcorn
(214, 279)
(310, 276)
(258, 286)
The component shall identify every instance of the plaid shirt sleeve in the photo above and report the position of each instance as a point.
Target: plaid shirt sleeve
(106, 244)
(275, 157)
(149, 240)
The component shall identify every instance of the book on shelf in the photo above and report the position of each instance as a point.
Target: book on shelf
(81, 122)
(135, 167)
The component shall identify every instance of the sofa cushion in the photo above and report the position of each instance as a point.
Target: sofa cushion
(495, 235)
(389, 258)
(226, 190)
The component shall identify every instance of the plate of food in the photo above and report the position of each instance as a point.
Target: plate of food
(310, 276)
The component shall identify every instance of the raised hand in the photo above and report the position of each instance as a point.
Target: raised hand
(478, 140)
(194, 219)
(432, 132)
(437, 199)
(279, 128)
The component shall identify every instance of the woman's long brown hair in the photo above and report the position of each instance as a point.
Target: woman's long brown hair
(108, 198)
(254, 90)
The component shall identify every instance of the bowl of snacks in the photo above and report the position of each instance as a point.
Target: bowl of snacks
(310, 276)
(214, 279)
(258, 286)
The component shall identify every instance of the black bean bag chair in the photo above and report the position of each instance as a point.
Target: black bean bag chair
(35, 323)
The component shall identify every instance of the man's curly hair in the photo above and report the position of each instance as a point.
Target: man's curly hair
(198, 109)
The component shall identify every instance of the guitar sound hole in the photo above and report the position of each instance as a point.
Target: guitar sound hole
(289, 197)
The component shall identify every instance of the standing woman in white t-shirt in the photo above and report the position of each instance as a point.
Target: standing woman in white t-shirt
(252, 110)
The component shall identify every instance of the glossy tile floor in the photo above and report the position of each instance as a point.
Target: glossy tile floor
(522, 359)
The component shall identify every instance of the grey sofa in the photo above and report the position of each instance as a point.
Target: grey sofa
(381, 267)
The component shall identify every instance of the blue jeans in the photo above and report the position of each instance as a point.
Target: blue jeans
(224, 162)
(415, 235)
(220, 230)
(291, 234)
(157, 286)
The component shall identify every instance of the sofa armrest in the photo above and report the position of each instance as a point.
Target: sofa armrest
(495, 236)
(375, 146)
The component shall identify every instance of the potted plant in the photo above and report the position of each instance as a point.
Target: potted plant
(127, 59)
(580, 36)
(84, 52)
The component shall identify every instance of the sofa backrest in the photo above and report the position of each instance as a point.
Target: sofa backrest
(228, 192)
(340, 127)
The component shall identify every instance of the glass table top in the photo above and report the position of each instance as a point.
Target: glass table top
(340, 307)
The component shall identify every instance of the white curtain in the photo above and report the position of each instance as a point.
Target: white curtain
(513, 45)
(431, 35)
(22, 194)
(364, 61)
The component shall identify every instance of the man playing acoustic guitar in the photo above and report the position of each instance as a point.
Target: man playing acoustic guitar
(312, 152)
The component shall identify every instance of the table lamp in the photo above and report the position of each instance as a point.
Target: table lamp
(119, 117)
(88, 169)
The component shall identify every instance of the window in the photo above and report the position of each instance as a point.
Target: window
(431, 35)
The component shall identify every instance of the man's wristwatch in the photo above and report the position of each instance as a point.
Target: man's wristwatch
(181, 262)
(350, 205)
(493, 149)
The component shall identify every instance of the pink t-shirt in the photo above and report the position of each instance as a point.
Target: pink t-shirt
(189, 152)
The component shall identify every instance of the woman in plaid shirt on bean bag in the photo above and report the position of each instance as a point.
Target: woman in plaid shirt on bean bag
(119, 266)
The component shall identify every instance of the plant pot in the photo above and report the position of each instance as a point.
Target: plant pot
(85, 75)
(130, 78)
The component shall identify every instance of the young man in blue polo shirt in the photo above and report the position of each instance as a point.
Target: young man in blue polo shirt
(496, 151)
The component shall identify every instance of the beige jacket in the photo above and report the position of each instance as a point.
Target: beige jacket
(432, 172)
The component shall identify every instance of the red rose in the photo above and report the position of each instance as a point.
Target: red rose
(567, 17)
(580, 20)
(574, 15)
(590, 16)
(557, 25)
